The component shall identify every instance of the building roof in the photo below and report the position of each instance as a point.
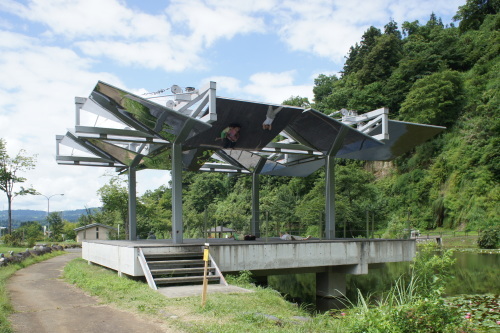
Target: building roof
(88, 226)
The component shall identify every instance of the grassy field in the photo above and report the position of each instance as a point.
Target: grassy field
(5, 249)
(263, 310)
(5, 273)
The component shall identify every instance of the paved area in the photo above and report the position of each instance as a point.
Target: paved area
(44, 303)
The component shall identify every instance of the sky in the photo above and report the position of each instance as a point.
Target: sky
(262, 50)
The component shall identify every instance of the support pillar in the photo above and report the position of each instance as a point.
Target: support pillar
(330, 182)
(255, 226)
(330, 284)
(330, 198)
(132, 204)
(177, 224)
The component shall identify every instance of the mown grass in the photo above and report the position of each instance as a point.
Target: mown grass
(5, 249)
(263, 310)
(6, 272)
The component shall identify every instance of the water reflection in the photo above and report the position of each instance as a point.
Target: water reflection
(474, 273)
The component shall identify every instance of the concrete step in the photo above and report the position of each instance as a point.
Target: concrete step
(169, 263)
(177, 255)
(186, 279)
(177, 271)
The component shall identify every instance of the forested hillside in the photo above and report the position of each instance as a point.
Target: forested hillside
(423, 72)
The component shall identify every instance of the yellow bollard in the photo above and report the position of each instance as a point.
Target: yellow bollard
(205, 270)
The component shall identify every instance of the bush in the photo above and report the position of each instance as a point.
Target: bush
(10, 240)
(428, 315)
(31, 242)
(489, 238)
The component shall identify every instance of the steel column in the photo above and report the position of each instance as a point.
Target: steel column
(330, 197)
(132, 202)
(255, 227)
(177, 224)
(330, 183)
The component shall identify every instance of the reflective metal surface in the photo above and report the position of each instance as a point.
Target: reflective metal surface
(296, 143)
(403, 137)
(142, 114)
(315, 129)
(250, 117)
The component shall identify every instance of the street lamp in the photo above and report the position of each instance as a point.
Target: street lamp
(48, 204)
(48, 201)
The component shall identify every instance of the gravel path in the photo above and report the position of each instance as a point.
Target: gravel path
(44, 303)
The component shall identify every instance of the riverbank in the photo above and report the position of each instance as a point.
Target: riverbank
(264, 310)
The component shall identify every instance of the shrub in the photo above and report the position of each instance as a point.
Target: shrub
(489, 238)
(428, 315)
(11, 240)
(31, 242)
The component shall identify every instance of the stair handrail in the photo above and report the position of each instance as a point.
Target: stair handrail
(217, 270)
(145, 269)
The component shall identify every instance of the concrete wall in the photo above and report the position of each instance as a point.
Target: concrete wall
(120, 258)
(354, 255)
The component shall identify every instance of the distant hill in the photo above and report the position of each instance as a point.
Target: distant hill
(26, 215)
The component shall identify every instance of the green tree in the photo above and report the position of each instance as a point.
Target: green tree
(155, 213)
(301, 102)
(472, 14)
(69, 230)
(436, 99)
(114, 198)
(56, 224)
(31, 229)
(9, 175)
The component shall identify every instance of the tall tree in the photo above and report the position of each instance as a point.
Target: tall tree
(9, 175)
(472, 14)
(114, 198)
(56, 224)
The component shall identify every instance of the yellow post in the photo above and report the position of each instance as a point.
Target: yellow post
(205, 270)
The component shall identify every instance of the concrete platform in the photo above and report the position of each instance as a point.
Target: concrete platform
(262, 257)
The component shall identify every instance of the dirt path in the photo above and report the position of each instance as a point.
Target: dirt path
(44, 303)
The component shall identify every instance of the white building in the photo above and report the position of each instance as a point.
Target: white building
(93, 231)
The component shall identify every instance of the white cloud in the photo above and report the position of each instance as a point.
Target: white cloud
(37, 103)
(328, 28)
(263, 87)
(208, 22)
(225, 85)
(277, 87)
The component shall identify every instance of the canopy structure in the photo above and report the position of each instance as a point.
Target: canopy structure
(185, 134)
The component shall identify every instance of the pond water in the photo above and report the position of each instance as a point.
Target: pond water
(474, 273)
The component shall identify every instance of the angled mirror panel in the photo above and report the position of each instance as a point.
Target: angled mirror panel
(160, 160)
(194, 159)
(403, 137)
(142, 114)
(247, 159)
(87, 146)
(250, 116)
(122, 155)
(91, 106)
(298, 170)
(319, 131)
